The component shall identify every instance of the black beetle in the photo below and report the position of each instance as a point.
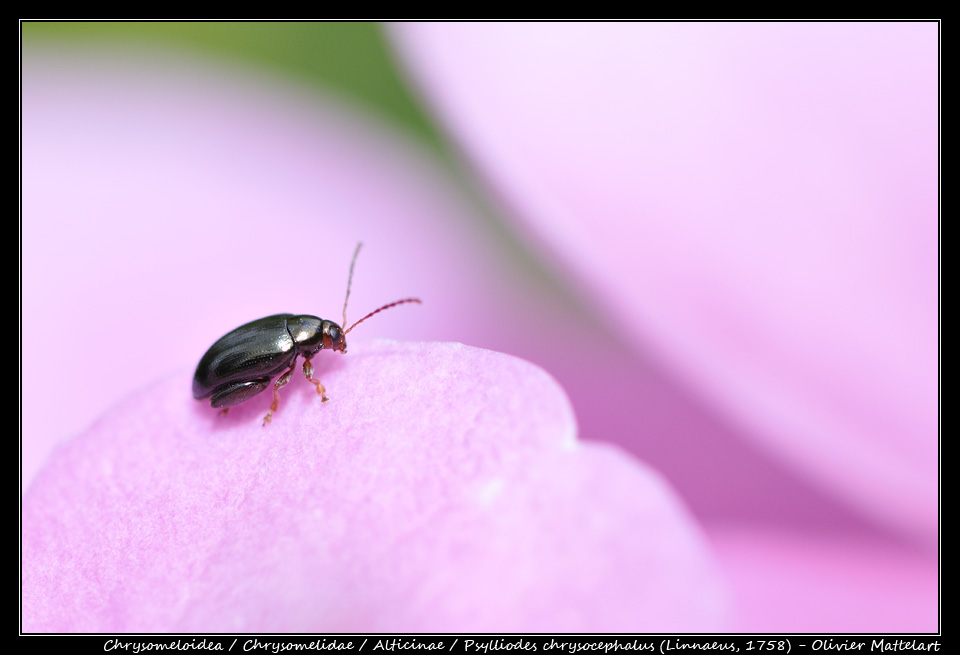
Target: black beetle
(242, 363)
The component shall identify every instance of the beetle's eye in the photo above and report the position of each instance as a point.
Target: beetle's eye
(335, 333)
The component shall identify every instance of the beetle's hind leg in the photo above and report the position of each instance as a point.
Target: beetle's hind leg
(281, 382)
(308, 373)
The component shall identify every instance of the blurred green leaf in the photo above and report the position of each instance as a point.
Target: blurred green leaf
(350, 59)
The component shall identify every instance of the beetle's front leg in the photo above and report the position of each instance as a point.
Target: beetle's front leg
(281, 382)
(308, 373)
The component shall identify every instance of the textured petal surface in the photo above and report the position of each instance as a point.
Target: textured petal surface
(757, 202)
(441, 488)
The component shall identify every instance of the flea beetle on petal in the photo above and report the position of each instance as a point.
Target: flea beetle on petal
(243, 362)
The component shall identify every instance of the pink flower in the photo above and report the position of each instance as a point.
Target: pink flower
(731, 200)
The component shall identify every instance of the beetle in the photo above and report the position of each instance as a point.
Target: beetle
(242, 363)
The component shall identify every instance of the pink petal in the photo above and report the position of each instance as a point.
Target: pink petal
(755, 201)
(441, 488)
(784, 581)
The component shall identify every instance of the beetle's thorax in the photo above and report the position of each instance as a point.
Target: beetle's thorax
(312, 333)
(307, 333)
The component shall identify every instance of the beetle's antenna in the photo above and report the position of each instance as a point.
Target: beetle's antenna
(350, 281)
(377, 311)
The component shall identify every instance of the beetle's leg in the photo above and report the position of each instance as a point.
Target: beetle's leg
(281, 381)
(308, 373)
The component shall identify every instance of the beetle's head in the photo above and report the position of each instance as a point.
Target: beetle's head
(334, 338)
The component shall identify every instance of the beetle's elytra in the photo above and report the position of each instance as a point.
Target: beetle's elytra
(243, 362)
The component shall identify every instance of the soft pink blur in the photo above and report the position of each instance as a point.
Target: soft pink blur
(754, 204)
(783, 580)
(146, 191)
(425, 496)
